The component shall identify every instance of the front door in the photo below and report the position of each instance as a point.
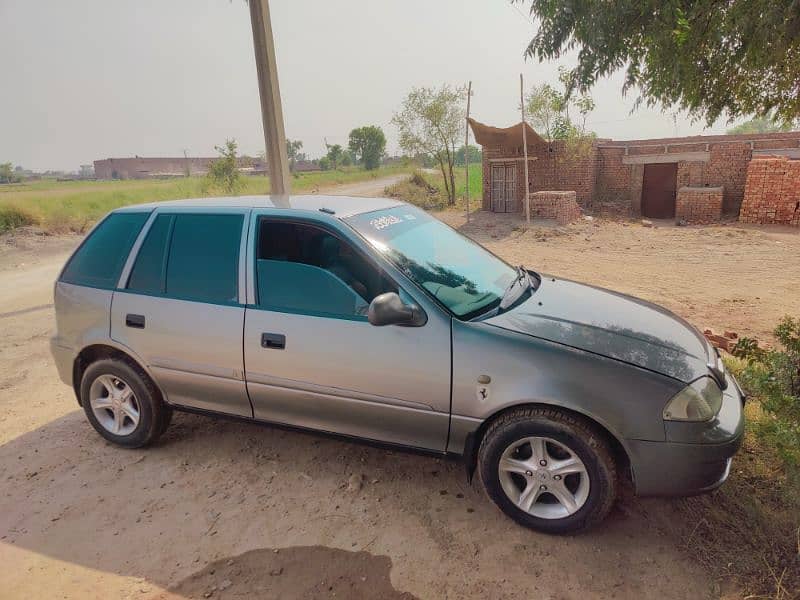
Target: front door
(659, 186)
(504, 187)
(312, 358)
(180, 309)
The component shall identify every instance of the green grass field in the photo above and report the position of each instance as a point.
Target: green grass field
(61, 206)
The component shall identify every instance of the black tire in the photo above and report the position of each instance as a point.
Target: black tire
(154, 414)
(585, 440)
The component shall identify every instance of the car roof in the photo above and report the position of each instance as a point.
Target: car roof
(338, 206)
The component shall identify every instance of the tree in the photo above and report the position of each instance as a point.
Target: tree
(710, 58)
(6, 173)
(347, 158)
(368, 144)
(475, 155)
(223, 172)
(431, 122)
(293, 153)
(760, 125)
(543, 107)
(335, 155)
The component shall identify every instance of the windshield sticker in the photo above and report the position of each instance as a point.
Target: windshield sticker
(384, 222)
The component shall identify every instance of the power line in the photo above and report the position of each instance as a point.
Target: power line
(513, 4)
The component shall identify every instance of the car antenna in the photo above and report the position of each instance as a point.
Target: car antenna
(329, 211)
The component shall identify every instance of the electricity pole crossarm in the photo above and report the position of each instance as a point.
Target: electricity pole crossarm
(269, 90)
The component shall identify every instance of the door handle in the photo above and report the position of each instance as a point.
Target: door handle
(135, 321)
(275, 341)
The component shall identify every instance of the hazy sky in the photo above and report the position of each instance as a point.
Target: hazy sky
(88, 79)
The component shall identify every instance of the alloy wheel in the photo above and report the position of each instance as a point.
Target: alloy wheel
(114, 405)
(543, 477)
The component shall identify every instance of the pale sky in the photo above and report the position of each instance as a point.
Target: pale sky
(89, 79)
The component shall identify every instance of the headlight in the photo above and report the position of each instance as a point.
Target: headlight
(698, 401)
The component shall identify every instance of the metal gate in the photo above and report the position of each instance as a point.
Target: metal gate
(659, 185)
(504, 187)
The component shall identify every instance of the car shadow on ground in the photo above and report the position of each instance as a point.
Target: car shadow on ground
(216, 497)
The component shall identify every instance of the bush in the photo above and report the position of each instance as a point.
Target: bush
(419, 191)
(15, 216)
(773, 377)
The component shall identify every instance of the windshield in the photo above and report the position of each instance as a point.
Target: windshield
(459, 273)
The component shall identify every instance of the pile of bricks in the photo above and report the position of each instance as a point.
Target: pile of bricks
(726, 341)
(561, 206)
(772, 191)
(699, 205)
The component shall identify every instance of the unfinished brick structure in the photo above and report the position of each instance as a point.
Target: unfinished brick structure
(631, 177)
(699, 205)
(772, 191)
(561, 206)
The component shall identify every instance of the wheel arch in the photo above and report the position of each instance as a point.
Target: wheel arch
(474, 438)
(100, 351)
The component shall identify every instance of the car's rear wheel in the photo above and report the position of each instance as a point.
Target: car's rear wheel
(548, 469)
(123, 404)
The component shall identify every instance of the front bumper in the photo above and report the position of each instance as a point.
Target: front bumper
(696, 457)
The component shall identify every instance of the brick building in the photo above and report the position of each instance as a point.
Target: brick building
(143, 168)
(691, 178)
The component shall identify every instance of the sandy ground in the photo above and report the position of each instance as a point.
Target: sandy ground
(225, 509)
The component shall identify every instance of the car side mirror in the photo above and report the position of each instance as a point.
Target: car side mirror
(389, 309)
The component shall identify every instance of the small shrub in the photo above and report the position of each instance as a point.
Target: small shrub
(223, 173)
(418, 191)
(773, 377)
(12, 217)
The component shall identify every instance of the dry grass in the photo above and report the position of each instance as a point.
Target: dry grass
(12, 217)
(748, 531)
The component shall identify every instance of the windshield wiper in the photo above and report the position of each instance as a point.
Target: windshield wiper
(515, 289)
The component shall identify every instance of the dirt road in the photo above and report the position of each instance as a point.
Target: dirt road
(369, 189)
(223, 509)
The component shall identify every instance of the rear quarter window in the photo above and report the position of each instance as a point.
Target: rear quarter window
(99, 260)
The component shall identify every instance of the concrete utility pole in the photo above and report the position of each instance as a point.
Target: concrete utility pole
(524, 150)
(269, 90)
(466, 148)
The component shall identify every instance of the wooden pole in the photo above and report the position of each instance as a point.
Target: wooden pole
(466, 146)
(524, 150)
(270, 93)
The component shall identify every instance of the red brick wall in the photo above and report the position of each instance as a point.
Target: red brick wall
(605, 185)
(772, 192)
(699, 205)
(554, 168)
(560, 168)
(613, 191)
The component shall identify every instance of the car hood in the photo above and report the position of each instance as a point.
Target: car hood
(612, 325)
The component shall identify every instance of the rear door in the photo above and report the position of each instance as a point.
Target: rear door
(181, 307)
(313, 360)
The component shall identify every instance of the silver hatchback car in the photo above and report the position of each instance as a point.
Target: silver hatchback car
(374, 320)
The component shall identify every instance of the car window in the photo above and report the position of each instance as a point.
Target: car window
(304, 269)
(190, 257)
(99, 260)
(459, 273)
(203, 260)
(148, 271)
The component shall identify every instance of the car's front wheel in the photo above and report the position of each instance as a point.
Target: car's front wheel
(548, 469)
(123, 404)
